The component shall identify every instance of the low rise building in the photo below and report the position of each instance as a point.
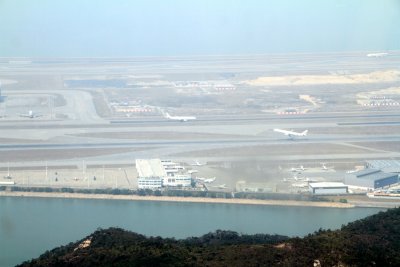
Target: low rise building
(328, 188)
(151, 173)
(155, 174)
(179, 180)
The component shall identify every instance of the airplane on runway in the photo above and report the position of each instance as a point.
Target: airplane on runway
(178, 118)
(31, 115)
(377, 54)
(291, 134)
(192, 171)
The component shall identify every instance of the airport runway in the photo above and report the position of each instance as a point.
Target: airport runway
(234, 127)
(203, 143)
(339, 118)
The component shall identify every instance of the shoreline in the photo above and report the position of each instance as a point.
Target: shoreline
(236, 201)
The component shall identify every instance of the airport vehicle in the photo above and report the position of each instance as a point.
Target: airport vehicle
(179, 118)
(291, 134)
(377, 54)
(30, 115)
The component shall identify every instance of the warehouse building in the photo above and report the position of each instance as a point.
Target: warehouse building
(371, 178)
(328, 188)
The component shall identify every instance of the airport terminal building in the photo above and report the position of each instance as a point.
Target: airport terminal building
(371, 178)
(150, 173)
(154, 174)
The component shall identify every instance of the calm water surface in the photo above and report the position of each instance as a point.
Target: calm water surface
(30, 226)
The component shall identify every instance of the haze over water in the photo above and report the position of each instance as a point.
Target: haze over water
(99, 28)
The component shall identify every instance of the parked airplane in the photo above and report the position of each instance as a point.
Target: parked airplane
(299, 169)
(377, 54)
(179, 118)
(30, 115)
(291, 134)
(326, 168)
(300, 185)
(197, 163)
(192, 171)
(221, 186)
(206, 180)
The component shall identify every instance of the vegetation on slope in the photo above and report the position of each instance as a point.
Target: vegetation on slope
(374, 241)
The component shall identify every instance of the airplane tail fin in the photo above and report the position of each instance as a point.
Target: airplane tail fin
(304, 133)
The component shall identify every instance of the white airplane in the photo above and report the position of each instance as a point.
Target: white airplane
(325, 168)
(30, 115)
(377, 54)
(300, 185)
(197, 163)
(291, 134)
(179, 118)
(206, 180)
(221, 186)
(192, 171)
(299, 169)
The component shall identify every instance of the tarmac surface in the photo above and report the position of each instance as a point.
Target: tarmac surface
(234, 129)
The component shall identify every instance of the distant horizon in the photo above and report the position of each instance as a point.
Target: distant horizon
(155, 28)
(206, 55)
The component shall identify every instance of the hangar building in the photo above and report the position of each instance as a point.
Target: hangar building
(385, 165)
(328, 188)
(371, 178)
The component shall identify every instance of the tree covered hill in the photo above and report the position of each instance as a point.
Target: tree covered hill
(373, 241)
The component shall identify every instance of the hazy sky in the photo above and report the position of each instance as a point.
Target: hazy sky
(195, 27)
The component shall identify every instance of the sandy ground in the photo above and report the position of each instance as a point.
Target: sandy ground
(372, 77)
(182, 199)
(387, 91)
(109, 177)
(51, 154)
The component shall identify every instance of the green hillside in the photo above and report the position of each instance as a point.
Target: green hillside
(373, 241)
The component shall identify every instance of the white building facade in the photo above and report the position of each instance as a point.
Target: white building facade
(155, 174)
